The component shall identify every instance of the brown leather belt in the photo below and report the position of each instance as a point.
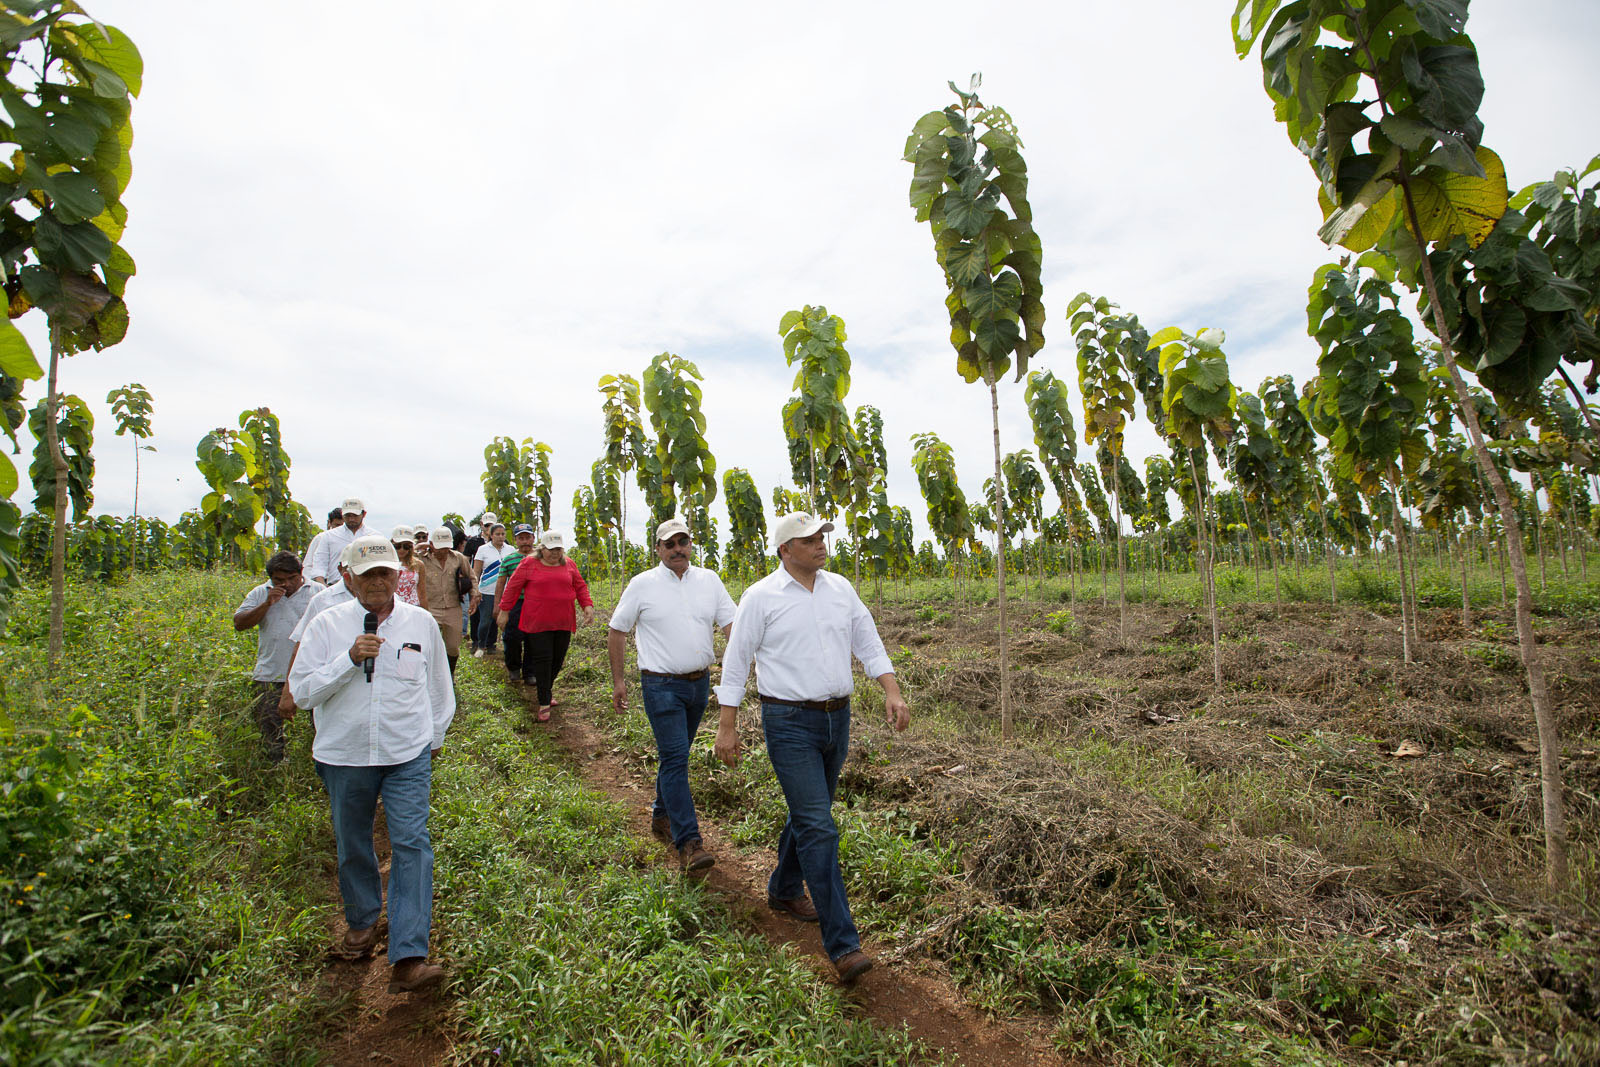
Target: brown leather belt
(832, 704)
(694, 677)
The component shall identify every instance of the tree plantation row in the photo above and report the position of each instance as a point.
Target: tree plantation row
(1389, 444)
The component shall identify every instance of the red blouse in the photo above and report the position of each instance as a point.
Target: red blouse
(547, 595)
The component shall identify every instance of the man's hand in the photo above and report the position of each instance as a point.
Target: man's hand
(275, 594)
(619, 695)
(728, 749)
(896, 711)
(365, 648)
(501, 618)
(435, 753)
(286, 708)
(588, 616)
(472, 602)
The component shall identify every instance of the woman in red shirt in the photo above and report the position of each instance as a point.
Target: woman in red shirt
(548, 584)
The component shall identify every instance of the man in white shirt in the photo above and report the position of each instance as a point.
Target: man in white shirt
(324, 569)
(314, 550)
(276, 606)
(801, 624)
(672, 609)
(321, 600)
(375, 670)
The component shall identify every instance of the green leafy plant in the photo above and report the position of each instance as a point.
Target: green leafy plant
(682, 459)
(226, 458)
(131, 406)
(67, 90)
(74, 433)
(968, 159)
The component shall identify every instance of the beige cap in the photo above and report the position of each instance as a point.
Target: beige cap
(403, 533)
(369, 552)
(798, 524)
(552, 539)
(353, 504)
(441, 537)
(670, 529)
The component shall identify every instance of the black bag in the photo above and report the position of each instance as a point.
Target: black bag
(463, 580)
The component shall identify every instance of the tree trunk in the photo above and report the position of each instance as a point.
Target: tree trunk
(1406, 607)
(1000, 567)
(1122, 566)
(135, 567)
(1204, 547)
(58, 541)
(1327, 546)
(1555, 816)
(1466, 603)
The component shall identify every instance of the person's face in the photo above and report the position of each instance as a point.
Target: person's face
(498, 537)
(809, 553)
(553, 557)
(290, 583)
(375, 588)
(336, 522)
(423, 547)
(353, 520)
(403, 549)
(525, 543)
(674, 552)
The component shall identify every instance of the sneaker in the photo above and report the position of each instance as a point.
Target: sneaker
(357, 944)
(694, 857)
(852, 965)
(478, 654)
(799, 908)
(414, 975)
(661, 827)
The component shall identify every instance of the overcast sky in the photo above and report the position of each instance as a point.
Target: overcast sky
(408, 228)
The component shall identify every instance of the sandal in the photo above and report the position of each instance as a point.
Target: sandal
(543, 715)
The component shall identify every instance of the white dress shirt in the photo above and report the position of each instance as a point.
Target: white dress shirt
(406, 707)
(275, 641)
(326, 565)
(674, 617)
(802, 640)
(312, 555)
(331, 597)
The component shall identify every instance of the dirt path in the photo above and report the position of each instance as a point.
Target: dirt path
(893, 994)
(379, 1027)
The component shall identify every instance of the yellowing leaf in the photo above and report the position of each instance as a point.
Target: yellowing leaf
(1449, 204)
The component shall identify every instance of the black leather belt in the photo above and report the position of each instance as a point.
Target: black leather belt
(693, 677)
(831, 704)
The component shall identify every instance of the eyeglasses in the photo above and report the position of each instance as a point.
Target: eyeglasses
(680, 541)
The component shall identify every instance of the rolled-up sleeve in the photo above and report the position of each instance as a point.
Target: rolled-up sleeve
(865, 642)
(748, 628)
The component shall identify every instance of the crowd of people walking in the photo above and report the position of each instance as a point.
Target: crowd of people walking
(364, 632)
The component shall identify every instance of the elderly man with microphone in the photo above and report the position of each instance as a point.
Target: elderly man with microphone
(375, 669)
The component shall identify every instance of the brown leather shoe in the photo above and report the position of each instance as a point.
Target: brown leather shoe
(798, 908)
(414, 975)
(661, 827)
(358, 944)
(695, 858)
(852, 965)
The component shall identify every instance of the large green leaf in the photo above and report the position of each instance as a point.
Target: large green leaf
(1450, 204)
(16, 355)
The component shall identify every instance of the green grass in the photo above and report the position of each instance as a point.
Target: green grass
(185, 902)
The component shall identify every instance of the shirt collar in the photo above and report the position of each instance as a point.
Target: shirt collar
(666, 572)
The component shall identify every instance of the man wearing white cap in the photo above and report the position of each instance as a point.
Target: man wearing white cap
(375, 671)
(672, 609)
(324, 568)
(445, 574)
(802, 624)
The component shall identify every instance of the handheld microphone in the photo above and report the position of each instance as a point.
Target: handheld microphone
(370, 626)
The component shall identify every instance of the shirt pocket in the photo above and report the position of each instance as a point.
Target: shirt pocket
(409, 667)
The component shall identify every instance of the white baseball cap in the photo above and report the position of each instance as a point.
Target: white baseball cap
(798, 524)
(670, 529)
(403, 533)
(352, 504)
(441, 537)
(489, 519)
(369, 552)
(551, 539)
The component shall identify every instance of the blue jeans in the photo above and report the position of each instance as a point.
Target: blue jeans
(353, 797)
(807, 750)
(675, 708)
(487, 632)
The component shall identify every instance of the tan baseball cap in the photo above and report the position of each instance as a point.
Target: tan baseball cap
(552, 539)
(670, 529)
(369, 552)
(441, 537)
(352, 504)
